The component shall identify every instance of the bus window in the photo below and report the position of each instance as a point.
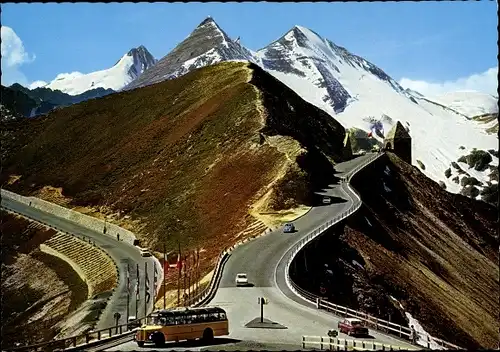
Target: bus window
(222, 316)
(197, 318)
(163, 321)
(179, 320)
(204, 317)
(190, 319)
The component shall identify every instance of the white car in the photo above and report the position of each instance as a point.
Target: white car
(327, 200)
(145, 253)
(241, 279)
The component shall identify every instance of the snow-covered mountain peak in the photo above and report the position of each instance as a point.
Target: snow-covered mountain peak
(206, 45)
(127, 68)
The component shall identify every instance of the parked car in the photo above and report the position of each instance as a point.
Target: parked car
(133, 323)
(289, 228)
(352, 326)
(145, 253)
(241, 279)
(327, 200)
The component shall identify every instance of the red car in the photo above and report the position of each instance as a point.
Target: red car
(352, 326)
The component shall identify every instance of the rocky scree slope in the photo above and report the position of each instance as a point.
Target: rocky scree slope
(206, 45)
(39, 291)
(175, 162)
(414, 248)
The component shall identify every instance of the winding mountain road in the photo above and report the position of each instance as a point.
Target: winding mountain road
(121, 252)
(264, 260)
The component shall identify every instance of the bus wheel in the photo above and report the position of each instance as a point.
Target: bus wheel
(140, 343)
(208, 335)
(158, 339)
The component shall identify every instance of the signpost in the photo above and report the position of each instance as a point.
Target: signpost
(262, 301)
(117, 318)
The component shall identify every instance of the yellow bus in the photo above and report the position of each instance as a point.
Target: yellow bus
(183, 324)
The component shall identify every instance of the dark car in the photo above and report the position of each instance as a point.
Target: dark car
(289, 228)
(352, 326)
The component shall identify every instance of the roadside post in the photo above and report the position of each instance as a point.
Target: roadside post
(117, 318)
(262, 301)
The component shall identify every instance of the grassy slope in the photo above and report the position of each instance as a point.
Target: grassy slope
(33, 282)
(434, 251)
(186, 157)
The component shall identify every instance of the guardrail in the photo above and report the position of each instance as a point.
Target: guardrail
(75, 338)
(333, 343)
(80, 341)
(9, 210)
(209, 292)
(199, 300)
(378, 324)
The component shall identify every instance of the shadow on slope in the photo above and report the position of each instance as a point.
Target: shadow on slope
(181, 160)
(434, 252)
(39, 291)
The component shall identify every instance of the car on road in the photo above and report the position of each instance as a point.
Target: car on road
(352, 326)
(327, 200)
(133, 322)
(145, 253)
(241, 279)
(289, 228)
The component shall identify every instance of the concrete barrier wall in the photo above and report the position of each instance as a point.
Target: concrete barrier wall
(87, 221)
(51, 251)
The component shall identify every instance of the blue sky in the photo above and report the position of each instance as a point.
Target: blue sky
(418, 41)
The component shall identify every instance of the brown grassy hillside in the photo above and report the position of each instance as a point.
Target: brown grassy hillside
(184, 159)
(38, 290)
(435, 252)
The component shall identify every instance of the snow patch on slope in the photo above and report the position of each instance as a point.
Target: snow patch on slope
(436, 131)
(128, 68)
(469, 103)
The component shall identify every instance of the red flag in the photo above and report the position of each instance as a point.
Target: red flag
(165, 265)
(183, 265)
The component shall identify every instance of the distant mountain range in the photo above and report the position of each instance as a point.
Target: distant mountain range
(21, 101)
(352, 90)
(68, 89)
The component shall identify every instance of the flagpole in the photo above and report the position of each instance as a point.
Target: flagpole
(164, 269)
(189, 280)
(145, 289)
(198, 278)
(154, 285)
(137, 294)
(184, 279)
(179, 276)
(128, 292)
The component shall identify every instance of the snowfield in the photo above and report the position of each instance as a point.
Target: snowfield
(468, 103)
(352, 90)
(437, 131)
(127, 69)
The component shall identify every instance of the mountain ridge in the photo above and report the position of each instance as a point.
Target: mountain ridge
(354, 91)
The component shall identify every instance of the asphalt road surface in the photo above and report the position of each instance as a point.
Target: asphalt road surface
(264, 260)
(123, 254)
